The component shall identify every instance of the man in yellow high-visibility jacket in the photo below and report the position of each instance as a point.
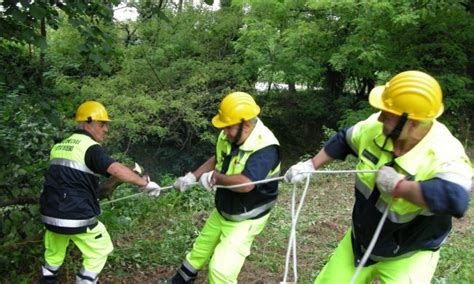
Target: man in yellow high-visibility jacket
(69, 202)
(422, 169)
(246, 151)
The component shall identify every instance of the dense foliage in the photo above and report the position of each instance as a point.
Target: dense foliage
(161, 79)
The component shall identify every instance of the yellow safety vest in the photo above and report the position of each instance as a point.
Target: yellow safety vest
(253, 203)
(72, 201)
(409, 227)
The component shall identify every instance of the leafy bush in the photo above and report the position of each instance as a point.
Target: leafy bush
(25, 140)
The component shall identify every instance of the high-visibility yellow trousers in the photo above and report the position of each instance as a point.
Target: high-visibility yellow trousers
(226, 244)
(417, 268)
(95, 245)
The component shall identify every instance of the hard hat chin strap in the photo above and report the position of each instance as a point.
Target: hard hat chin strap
(397, 130)
(239, 132)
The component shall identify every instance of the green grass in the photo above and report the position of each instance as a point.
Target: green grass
(152, 236)
(457, 255)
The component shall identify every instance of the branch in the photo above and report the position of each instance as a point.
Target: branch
(152, 69)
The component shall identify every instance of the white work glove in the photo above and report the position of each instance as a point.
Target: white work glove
(137, 169)
(185, 182)
(387, 180)
(299, 172)
(153, 189)
(206, 181)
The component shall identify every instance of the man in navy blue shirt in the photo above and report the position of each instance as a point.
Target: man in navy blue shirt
(246, 151)
(423, 179)
(69, 202)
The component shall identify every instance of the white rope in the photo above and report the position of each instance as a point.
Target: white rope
(251, 182)
(239, 185)
(133, 195)
(292, 240)
(294, 215)
(192, 184)
(340, 171)
(372, 243)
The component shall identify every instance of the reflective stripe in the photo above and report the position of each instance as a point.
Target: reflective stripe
(81, 279)
(184, 275)
(444, 240)
(393, 216)
(250, 214)
(426, 212)
(49, 270)
(362, 188)
(86, 273)
(457, 179)
(72, 164)
(381, 205)
(190, 268)
(68, 223)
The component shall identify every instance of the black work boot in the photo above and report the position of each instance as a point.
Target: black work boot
(48, 280)
(185, 275)
(84, 277)
(49, 275)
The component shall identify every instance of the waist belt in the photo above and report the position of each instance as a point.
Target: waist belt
(68, 223)
(250, 214)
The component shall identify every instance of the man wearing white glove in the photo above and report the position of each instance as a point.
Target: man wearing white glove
(406, 135)
(69, 202)
(388, 181)
(299, 172)
(153, 189)
(246, 151)
(207, 181)
(185, 182)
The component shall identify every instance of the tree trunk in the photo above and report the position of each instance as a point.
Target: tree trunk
(42, 54)
(334, 82)
(291, 88)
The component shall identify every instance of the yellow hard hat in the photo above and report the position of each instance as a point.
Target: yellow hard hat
(413, 92)
(91, 111)
(234, 108)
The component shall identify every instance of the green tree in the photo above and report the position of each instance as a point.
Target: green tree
(282, 42)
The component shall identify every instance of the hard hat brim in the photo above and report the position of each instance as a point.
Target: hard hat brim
(440, 112)
(85, 120)
(218, 123)
(375, 98)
